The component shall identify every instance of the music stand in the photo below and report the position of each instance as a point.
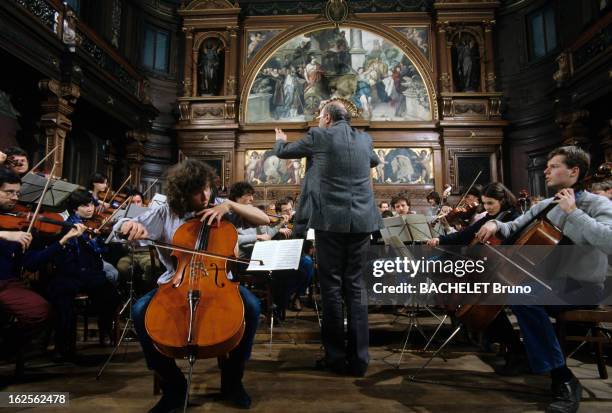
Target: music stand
(275, 255)
(409, 229)
(32, 186)
(417, 225)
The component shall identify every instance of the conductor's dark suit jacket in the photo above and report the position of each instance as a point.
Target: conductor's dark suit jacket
(337, 191)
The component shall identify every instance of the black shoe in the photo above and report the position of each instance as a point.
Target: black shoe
(237, 396)
(516, 365)
(357, 370)
(338, 367)
(566, 397)
(232, 390)
(168, 404)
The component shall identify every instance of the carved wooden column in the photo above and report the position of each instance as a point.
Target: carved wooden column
(135, 155)
(489, 56)
(189, 76)
(55, 122)
(233, 58)
(443, 45)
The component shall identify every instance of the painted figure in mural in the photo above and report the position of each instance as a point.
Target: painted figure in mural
(278, 97)
(402, 168)
(292, 90)
(314, 73)
(424, 158)
(254, 166)
(255, 39)
(380, 168)
(210, 62)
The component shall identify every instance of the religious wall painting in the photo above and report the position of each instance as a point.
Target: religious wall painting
(211, 67)
(419, 36)
(404, 166)
(262, 167)
(256, 40)
(465, 54)
(341, 62)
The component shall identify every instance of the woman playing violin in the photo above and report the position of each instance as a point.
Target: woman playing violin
(189, 191)
(80, 268)
(498, 202)
(586, 219)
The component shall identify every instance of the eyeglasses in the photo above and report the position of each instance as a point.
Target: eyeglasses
(11, 193)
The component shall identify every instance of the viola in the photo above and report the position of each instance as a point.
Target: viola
(202, 306)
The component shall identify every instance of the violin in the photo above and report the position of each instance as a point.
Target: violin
(460, 214)
(46, 223)
(202, 306)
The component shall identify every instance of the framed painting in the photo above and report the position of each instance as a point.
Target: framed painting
(410, 166)
(350, 63)
(262, 167)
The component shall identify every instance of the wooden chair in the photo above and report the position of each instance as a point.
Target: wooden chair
(597, 334)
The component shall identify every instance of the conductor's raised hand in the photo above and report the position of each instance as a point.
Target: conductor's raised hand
(280, 135)
(214, 213)
(134, 230)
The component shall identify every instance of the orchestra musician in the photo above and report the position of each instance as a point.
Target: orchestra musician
(79, 267)
(499, 203)
(401, 204)
(189, 193)
(586, 219)
(16, 299)
(603, 188)
(341, 209)
(16, 160)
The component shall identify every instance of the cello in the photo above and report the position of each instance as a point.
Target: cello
(200, 313)
(539, 231)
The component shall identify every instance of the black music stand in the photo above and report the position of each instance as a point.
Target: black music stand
(32, 186)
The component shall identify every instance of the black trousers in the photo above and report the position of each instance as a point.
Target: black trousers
(341, 259)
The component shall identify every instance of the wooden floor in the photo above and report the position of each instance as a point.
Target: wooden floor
(280, 378)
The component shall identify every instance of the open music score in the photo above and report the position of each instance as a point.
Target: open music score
(276, 255)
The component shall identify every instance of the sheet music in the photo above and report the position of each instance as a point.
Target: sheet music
(276, 255)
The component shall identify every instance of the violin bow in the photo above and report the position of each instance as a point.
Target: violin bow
(468, 190)
(108, 219)
(42, 196)
(144, 194)
(507, 259)
(117, 191)
(42, 160)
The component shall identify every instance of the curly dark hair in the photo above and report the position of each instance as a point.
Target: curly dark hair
(184, 180)
(240, 189)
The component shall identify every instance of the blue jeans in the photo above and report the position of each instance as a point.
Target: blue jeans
(165, 366)
(541, 344)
